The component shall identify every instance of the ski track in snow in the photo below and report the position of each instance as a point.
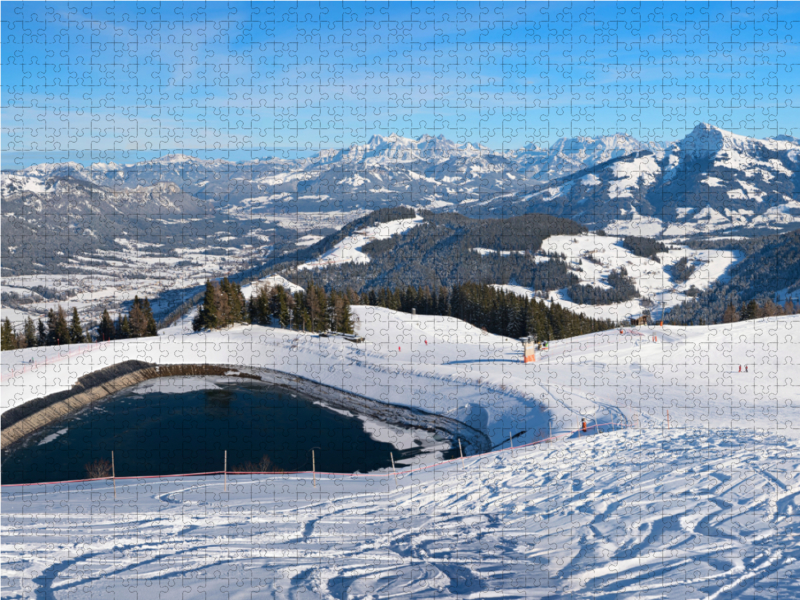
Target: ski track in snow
(650, 513)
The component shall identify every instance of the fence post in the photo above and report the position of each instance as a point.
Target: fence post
(393, 468)
(314, 468)
(460, 450)
(225, 469)
(113, 475)
(511, 440)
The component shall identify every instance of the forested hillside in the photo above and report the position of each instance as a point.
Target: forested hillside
(445, 250)
(494, 310)
(771, 270)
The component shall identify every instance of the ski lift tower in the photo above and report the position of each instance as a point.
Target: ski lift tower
(529, 348)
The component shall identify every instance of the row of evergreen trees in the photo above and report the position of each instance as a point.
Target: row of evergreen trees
(311, 310)
(755, 310)
(139, 322)
(223, 304)
(57, 331)
(491, 309)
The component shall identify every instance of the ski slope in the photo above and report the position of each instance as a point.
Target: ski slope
(691, 491)
(635, 514)
(689, 377)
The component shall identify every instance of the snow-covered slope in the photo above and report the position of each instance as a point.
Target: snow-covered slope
(349, 249)
(636, 514)
(697, 496)
(687, 375)
(569, 155)
(271, 281)
(592, 258)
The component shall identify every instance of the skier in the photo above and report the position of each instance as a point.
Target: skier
(426, 342)
(583, 425)
(745, 368)
(740, 368)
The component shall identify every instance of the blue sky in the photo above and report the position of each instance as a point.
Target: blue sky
(263, 78)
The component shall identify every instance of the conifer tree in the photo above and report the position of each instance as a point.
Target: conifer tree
(51, 327)
(125, 330)
(57, 328)
(8, 340)
(301, 319)
(236, 303)
(151, 329)
(751, 311)
(316, 306)
(259, 307)
(208, 316)
(137, 318)
(75, 330)
(222, 294)
(345, 317)
(106, 328)
(41, 334)
(280, 308)
(30, 333)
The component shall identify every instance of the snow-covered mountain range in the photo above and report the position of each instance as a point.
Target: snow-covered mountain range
(175, 221)
(712, 180)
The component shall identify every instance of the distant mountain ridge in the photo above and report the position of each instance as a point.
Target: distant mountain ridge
(711, 182)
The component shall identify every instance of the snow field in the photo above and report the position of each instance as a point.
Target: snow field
(666, 514)
(349, 249)
(105, 284)
(651, 278)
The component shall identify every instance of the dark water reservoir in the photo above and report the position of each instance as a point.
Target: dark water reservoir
(158, 432)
